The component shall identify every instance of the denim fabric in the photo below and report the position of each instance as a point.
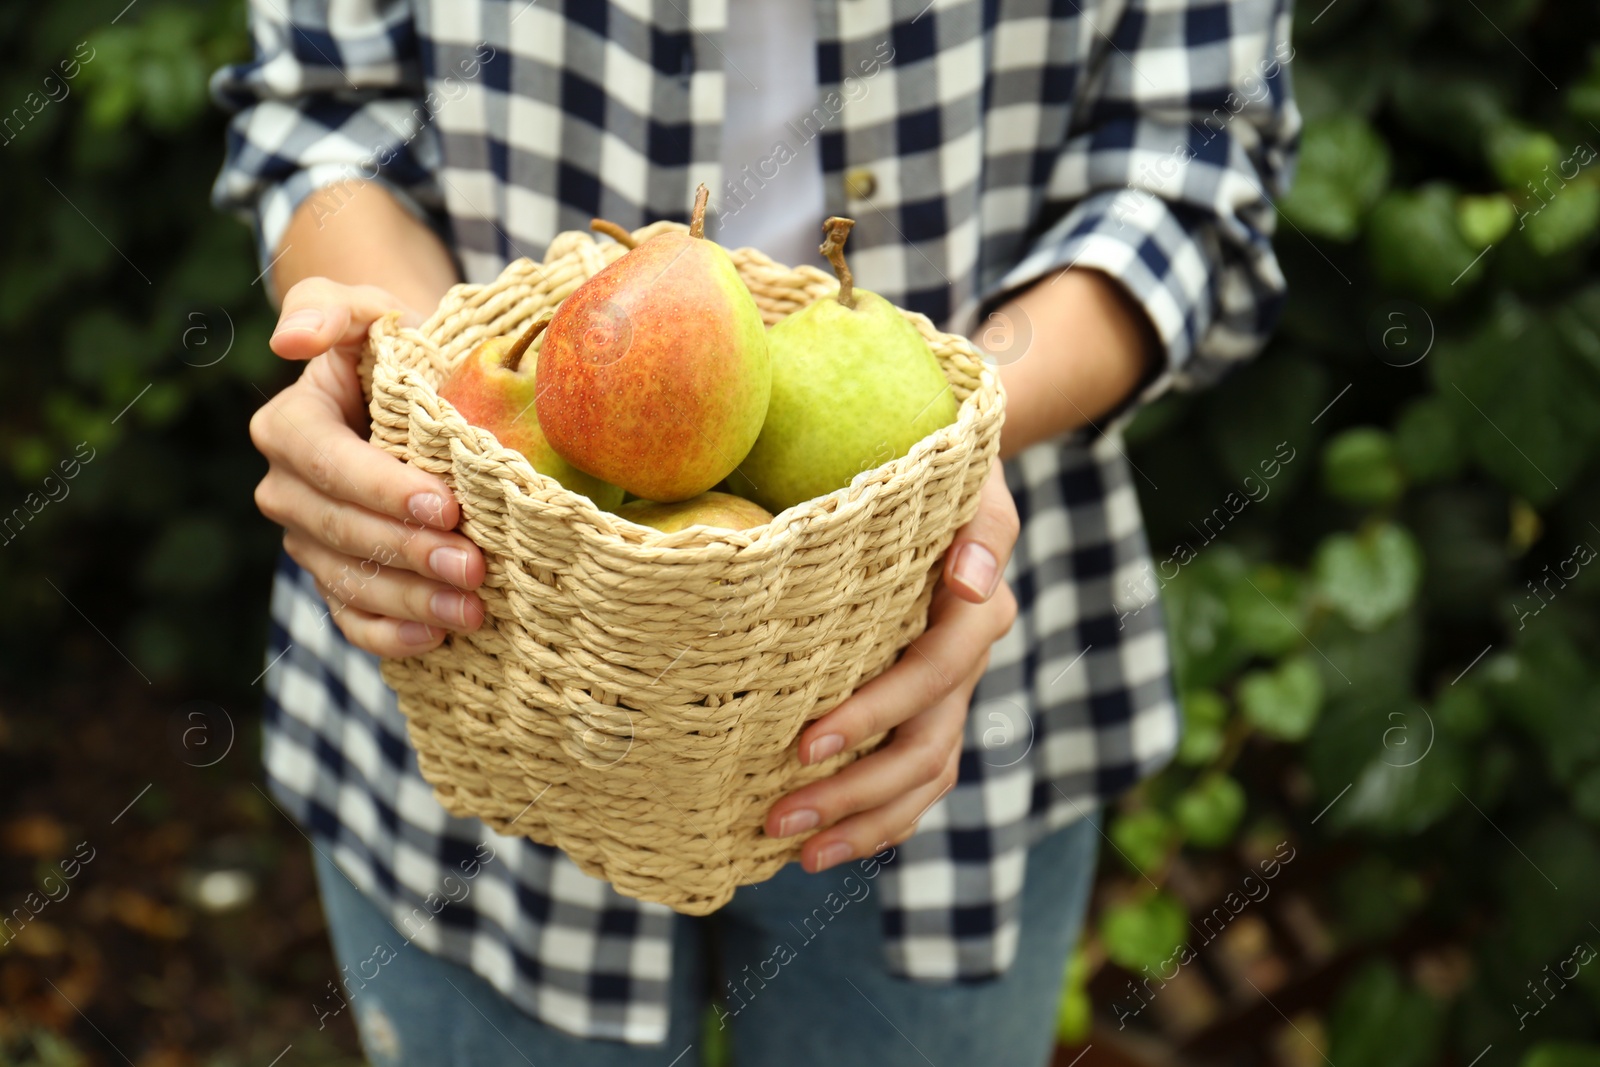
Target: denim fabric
(797, 962)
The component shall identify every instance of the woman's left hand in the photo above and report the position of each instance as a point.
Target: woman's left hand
(923, 698)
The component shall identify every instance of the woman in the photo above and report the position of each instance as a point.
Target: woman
(1087, 188)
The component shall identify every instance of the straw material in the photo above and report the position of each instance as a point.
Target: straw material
(634, 698)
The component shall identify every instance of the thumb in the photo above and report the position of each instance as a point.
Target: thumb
(319, 315)
(981, 549)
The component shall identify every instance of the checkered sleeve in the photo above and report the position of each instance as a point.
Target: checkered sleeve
(1182, 139)
(334, 94)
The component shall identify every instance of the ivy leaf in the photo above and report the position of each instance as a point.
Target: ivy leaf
(1344, 168)
(1485, 220)
(1532, 424)
(1142, 837)
(1205, 649)
(1519, 155)
(1416, 247)
(1359, 467)
(1205, 715)
(1371, 577)
(1567, 220)
(1268, 610)
(1210, 810)
(1283, 703)
(1144, 933)
(1392, 795)
(1385, 766)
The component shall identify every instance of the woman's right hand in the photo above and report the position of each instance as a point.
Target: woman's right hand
(375, 533)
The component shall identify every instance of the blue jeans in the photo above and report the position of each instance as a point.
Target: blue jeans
(808, 1015)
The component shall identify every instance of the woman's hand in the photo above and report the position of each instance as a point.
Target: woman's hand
(923, 698)
(373, 531)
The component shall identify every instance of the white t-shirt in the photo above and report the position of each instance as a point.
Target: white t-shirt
(772, 198)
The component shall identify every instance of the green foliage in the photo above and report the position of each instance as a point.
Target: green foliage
(1390, 648)
(1397, 649)
(136, 350)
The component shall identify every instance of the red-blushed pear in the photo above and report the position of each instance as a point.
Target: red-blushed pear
(654, 373)
(491, 391)
(723, 510)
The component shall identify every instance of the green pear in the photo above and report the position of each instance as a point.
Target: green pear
(854, 385)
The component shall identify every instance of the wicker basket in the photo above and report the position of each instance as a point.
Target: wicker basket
(633, 698)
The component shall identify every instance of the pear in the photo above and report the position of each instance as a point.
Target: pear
(491, 391)
(722, 510)
(854, 385)
(654, 375)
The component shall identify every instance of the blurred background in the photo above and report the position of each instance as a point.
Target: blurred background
(1380, 844)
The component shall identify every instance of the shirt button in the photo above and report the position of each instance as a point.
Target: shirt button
(860, 183)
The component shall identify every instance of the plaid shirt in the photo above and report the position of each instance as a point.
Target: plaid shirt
(981, 146)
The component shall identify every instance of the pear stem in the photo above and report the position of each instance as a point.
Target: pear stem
(836, 231)
(615, 232)
(515, 353)
(697, 219)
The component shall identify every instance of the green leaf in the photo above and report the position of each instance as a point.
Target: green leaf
(1519, 155)
(1210, 810)
(1395, 796)
(1142, 838)
(1144, 933)
(1268, 607)
(1562, 1054)
(1531, 423)
(1462, 711)
(1427, 446)
(1205, 648)
(1205, 718)
(1371, 577)
(1567, 220)
(1416, 248)
(1485, 220)
(1380, 1021)
(1344, 168)
(1546, 687)
(1283, 703)
(1359, 467)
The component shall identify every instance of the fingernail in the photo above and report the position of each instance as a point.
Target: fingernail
(308, 320)
(427, 508)
(450, 564)
(416, 633)
(449, 607)
(977, 569)
(797, 822)
(825, 746)
(830, 854)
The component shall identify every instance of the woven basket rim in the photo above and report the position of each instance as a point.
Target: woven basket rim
(690, 543)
